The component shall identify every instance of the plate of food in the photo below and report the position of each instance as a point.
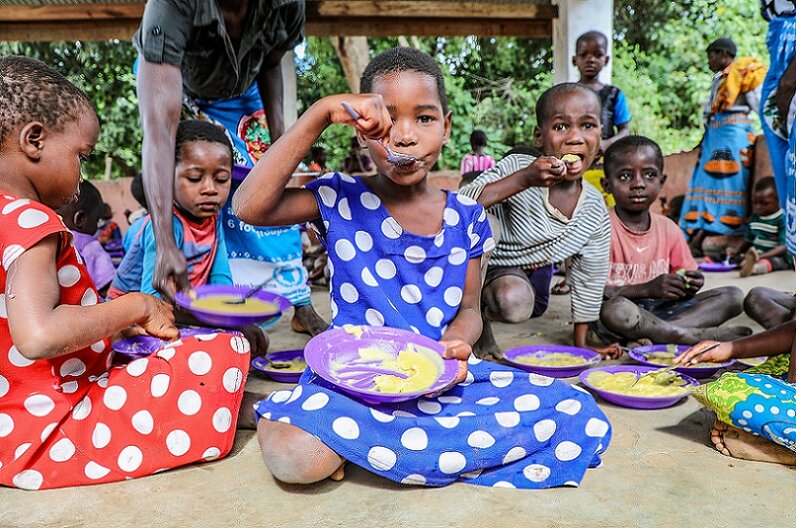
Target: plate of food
(144, 345)
(380, 364)
(717, 267)
(556, 361)
(285, 366)
(753, 361)
(663, 356)
(615, 384)
(220, 305)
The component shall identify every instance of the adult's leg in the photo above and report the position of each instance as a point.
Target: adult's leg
(769, 307)
(294, 456)
(712, 308)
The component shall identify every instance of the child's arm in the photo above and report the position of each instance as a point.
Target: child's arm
(777, 251)
(466, 327)
(545, 171)
(667, 286)
(42, 328)
(262, 198)
(741, 248)
(622, 130)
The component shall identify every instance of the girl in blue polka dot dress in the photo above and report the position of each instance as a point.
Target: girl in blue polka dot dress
(405, 254)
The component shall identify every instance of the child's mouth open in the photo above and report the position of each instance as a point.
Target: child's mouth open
(574, 165)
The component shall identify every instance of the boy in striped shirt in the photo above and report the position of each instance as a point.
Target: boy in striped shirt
(764, 240)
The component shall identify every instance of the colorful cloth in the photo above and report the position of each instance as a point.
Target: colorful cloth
(637, 258)
(766, 232)
(501, 427)
(478, 163)
(95, 258)
(716, 199)
(75, 420)
(614, 110)
(758, 401)
(743, 75)
(108, 231)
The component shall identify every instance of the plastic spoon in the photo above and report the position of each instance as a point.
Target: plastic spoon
(672, 367)
(392, 157)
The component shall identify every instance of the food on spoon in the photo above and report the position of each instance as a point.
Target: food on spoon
(226, 303)
(570, 158)
(551, 359)
(655, 385)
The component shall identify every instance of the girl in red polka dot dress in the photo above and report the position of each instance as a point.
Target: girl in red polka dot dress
(67, 417)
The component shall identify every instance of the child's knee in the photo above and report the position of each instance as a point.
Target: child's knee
(732, 299)
(293, 455)
(515, 305)
(620, 314)
(754, 300)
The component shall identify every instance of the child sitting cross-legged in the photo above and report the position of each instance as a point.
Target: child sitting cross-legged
(653, 285)
(405, 254)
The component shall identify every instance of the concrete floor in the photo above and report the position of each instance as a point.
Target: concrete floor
(660, 470)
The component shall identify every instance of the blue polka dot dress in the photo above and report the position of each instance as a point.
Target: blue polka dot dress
(500, 427)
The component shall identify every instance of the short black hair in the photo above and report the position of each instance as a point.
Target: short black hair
(90, 200)
(596, 36)
(396, 60)
(199, 130)
(32, 91)
(137, 190)
(723, 44)
(543, 103)
(764, 184)
(611, 156)
(478, 138)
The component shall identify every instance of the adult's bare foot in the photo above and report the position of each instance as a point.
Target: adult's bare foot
(733, 442)
(307, 321)
(486, 347)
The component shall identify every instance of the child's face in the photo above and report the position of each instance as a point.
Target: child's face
(718, 60)
(765, 202)
(419, 129)
(573, 127)
(590, 57)
(635, 179)
(202, 178)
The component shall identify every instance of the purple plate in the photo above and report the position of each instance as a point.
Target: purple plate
(144, 345)
(261, 364)
(640, 355)
(591, 357)
(717, 266)
(634, 402)
(327, 351)
(232, 319)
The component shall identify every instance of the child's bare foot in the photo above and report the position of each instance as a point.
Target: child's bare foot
(307, 321)
(486, 347)
(339, 473)
(733, 442)
(748, 263)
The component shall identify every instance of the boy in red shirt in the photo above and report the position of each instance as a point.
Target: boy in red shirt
(653, 284)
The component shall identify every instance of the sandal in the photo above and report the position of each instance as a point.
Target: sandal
(561, 288)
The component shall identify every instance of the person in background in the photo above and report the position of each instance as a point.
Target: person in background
(477, 160)
(357, 161)
(318, 164)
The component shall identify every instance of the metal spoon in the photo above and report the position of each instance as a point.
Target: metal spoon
(248, 294)
(392, 157)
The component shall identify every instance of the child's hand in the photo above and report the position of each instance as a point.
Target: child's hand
(731, 252)
(720, 354)
(159, 320)
(612, 351)
(694, 281)
(668, 286)
(374, 119)
(545, 171)
(459, 350)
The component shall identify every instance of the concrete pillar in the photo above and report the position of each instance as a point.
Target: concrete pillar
(289, 103)
(576, 17)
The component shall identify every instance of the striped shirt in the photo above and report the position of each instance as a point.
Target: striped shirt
(535, 234)
(766, 232)
(473, 162)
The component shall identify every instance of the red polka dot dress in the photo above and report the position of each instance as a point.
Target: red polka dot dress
(75, 420)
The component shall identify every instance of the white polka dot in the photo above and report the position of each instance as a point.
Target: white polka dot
(47, 431)
(345, 250)
(544, 429)
(491, 400)
(480, 439)
(4, 386)
(94, 471)
(411, 294)
(747, 414)
(391, 229)
(315, 402)
(566, 451)
(39, 404)
(569, 406)
(369, 200)
(20, 450)
(167, 353)
(465, 200)
(368, 278)
(346, 428)
(457, 256)
(206, 337)
(515, 453)
(414, 329)
(190, 402)
(82, 409)
(743, 422)
(434, 316)
(6, 425)
(415, 254)
(72, 367)
(130, 459)
(222, 420)
(200, 363)
(414, 479)
(159, 385)
(381, 417)
(101, 436)
(439, 239)
(474, 238)
(17, 359)
(791, 413)
(31, 218)
(280, 396)
(143, 422)
(178, 442)
(363, 240)
(448, 422)
(596, 428)
(381, 459)
(449, 399)
(295, 394)
(3, 308)
(333, 306)
(429, 407)
(16, 204)
(68, 276)
(541, 381)
(11, 254)
(433, 276)
(328, 195)
(489, 244)
(89, 298)
(501, 378)
(114, 397)
(527, 402)
(239, 344)
(774, 410)
(211, 453)
(472, 360)
(468, 380)
(759, 408)
(451, 462)
(536, 472)
(453, 296)
(451, 216)
(232, 379)
(374, 317)
(385, 269)
(103, 382)
(29, 479)
(503, 484)
(349, 293)
(414, 439)
(344, 209)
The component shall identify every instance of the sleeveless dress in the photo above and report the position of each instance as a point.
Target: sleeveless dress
(76, 419)
(500, 427)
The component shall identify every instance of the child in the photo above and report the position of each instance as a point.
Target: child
(318, 155)
(108, 231)
(357, 161)
(67, 417)
(408, 255)
(135, 218)
(81, 217)
(653, 284)
(547, 214)
(477, 160)
(764, 240)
